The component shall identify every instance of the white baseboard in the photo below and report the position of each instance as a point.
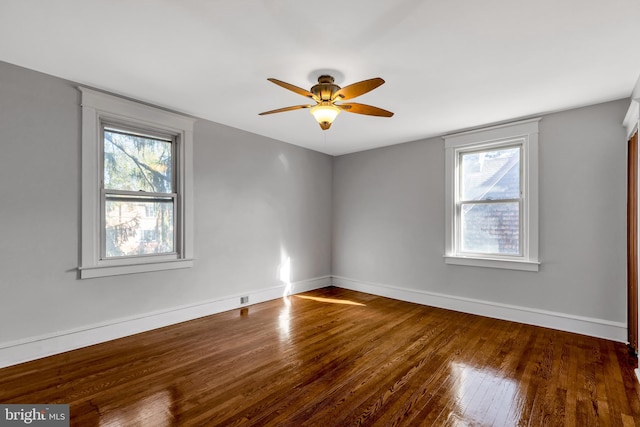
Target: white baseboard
(599, 328)
(14, 352)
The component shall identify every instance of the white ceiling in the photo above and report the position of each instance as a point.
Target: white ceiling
(448, 64)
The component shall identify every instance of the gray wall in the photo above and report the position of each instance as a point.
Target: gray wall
(255, 199)
(388, 223)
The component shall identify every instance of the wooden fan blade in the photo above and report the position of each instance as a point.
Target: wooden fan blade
(354, 107)
(357, 89)
(282, 110)
(293, 88)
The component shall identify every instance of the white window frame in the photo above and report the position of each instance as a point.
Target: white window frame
(525, 134)
(99, 108)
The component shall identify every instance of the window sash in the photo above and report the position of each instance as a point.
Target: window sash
(125, 129)
(460, 233)
(126, 196)
(488, 149)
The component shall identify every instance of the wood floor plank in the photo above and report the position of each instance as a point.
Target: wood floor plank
(409, 375)
(334, 357)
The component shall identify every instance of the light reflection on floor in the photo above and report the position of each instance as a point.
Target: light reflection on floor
(154, 410)
(284, 320)
(479, 392)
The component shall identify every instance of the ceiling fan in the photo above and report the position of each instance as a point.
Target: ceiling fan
(329, 96)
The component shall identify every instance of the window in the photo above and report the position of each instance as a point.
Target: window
(492, 197)
(138, 194)
(137, 190)
(489, 200)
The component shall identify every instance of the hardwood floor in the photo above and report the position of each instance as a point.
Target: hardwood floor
(334, 357)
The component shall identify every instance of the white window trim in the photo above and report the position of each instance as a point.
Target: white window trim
(96, 108)
(527, 132)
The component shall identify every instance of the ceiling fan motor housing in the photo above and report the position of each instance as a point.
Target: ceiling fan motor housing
(325, 88)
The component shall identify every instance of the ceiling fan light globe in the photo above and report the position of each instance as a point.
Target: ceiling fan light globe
(325, 115)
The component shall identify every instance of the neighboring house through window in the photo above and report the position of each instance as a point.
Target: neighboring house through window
(492, 197)
(137, 193)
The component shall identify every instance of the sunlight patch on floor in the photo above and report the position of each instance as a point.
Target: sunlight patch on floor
(330, 300)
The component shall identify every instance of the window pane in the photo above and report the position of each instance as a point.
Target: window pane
(491, 228)
(137, 163)
(138, 227)
(491, 175)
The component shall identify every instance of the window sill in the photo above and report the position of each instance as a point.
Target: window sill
(116, 270)
(507, 264)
